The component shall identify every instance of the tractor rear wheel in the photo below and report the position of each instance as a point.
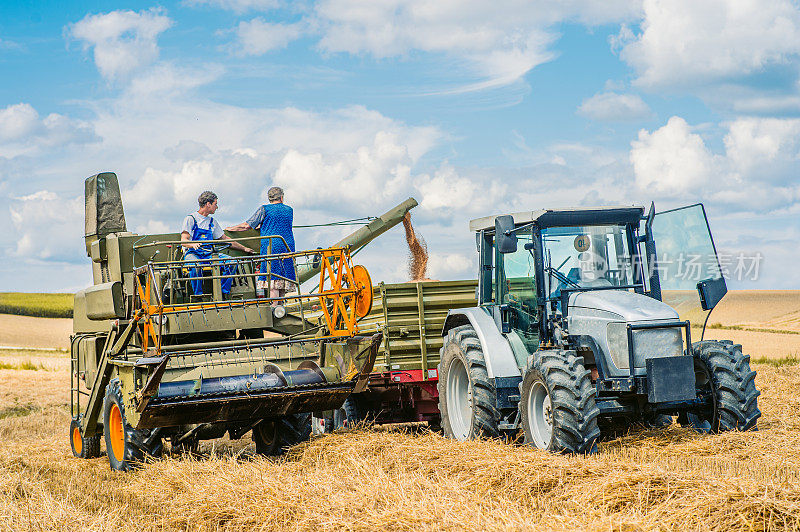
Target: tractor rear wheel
(126, 447)
(724, 377)
(275, 437)
(467, 396)
(83, 447)
(557, 406)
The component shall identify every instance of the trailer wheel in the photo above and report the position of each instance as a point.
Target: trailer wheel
(83, 447)
(467, 396)
(349, 415)
(275, 437)
(557, 405)
(723, 374)
(126, 447)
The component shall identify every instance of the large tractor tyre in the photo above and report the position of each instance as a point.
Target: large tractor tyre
(723, 374)
(467, 396)
(275, 437)
(557, 405)
(83, 447)
(126, 447)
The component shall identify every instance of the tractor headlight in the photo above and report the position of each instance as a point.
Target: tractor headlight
(279, 311)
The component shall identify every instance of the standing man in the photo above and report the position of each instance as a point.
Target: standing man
(274, 219)
(201, 225)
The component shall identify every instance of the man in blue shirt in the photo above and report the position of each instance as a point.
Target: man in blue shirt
(201, 225)
(274, 219)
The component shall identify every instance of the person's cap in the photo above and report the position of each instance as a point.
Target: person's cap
(275, 193)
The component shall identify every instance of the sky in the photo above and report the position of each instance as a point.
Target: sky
(473, 108)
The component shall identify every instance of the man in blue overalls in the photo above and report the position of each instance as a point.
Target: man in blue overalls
(274, 219)
(201, 226)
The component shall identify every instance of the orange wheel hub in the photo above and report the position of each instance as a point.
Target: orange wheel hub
(363, 283)
(117, 432)
(77, 441)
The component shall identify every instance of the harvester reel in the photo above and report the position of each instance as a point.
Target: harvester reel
(345, 291)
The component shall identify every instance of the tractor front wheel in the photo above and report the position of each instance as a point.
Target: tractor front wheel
(724, 379)
(557, 406)
(467, 396)
(126, 447)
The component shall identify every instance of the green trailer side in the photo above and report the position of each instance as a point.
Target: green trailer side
(410, 316)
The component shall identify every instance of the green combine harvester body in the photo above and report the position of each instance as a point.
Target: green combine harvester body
(151, 360)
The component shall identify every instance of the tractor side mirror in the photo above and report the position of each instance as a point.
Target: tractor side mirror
(711, 292)
(504, 236)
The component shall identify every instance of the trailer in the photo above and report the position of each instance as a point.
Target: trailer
(402, 387)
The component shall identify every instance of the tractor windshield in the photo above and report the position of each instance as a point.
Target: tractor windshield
(586, 257)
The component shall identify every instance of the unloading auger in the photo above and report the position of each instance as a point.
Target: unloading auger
(151, 360)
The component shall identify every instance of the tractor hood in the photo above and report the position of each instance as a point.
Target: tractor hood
(629, 306)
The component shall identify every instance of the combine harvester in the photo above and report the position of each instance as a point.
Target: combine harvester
(152, 361)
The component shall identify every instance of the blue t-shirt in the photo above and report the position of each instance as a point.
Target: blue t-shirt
(275, 219)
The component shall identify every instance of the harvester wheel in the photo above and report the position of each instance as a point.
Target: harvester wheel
(275, 437)
(557, 405)
(126, 447)
(723, 374)
(467, 396)
(83, 447)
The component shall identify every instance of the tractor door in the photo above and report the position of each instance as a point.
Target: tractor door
(686, 258)
(515, 279)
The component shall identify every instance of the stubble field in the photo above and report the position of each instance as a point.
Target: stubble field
(671, 479)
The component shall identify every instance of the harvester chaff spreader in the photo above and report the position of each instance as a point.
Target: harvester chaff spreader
(153, 361)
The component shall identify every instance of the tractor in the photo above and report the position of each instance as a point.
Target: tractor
(570, 339)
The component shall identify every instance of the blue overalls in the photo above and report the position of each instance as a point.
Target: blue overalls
(277, 221)
(201, 256)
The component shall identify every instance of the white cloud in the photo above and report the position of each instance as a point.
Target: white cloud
(499, 42)
(614, 107)
(671, 160)
(451, 266)
(123, 41)
(367, 174)
(756, 172)
(448, 192)
(690, 43)
(18, 121)
(167, 80)
(237, 6)
(22, 130)
(42, 220)
(764, 149)
(257, 37)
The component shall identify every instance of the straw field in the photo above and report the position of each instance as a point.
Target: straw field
(671, 479)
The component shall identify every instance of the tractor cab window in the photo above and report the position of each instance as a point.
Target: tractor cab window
(686, 252)
(585, 257)
(516, 277)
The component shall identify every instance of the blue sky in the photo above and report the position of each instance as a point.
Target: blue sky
(473, 108)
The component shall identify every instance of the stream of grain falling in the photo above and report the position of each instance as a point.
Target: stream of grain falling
(418, 257)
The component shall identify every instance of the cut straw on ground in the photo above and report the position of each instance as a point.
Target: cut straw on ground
(673, 479)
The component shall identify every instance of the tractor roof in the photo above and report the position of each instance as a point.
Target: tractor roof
(578, 216)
